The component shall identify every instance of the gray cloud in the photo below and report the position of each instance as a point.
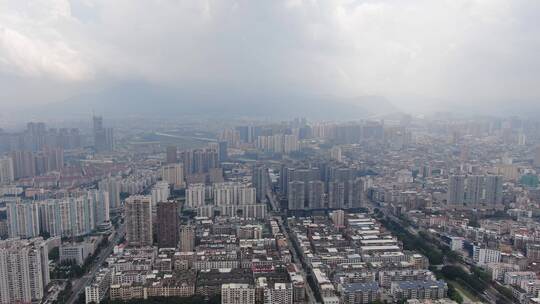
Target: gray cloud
(459, 51)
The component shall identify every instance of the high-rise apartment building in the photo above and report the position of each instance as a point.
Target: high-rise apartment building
(315, 194)
(187, 238)
(138, 211)
(22, 219)
(474, 187)
(336, 194)
(338, 218)
(24, 164)
(333, 187)
(261, 181)
(103, 137)
(24, 270)
(475, 190)
(493, 189)
(536, 157)
(335, 154)
(221, 148)
(99, 201)
(278, 143)
(199, 161)
(167, 224)
(231, 137)
(7, 175)
(160, 193)
(173, 174)
(456, 190)
(74, 216)
(195, 195)
(112, 186)
(171, 154)
(230, 193)
(296, 197)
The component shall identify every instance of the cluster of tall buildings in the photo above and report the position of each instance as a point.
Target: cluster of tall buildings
(112, 186)
(7, 173)
(228, 199)
(348, 133)
(103, 137)
(199, 161)
(19, 164)
(37, 136)
(331, 187)
(278, 143)
(30, 164)
(273, 138)
(72, 216)
(173, 173)
(141, 221)
(475, 190)
(24, 270)
(197, 165)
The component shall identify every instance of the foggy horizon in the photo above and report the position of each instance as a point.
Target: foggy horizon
(269, 151)
(421, 56)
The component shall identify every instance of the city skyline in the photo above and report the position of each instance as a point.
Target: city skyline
(269, 152)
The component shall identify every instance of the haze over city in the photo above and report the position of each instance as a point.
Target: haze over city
(269, 152)
(422, 56)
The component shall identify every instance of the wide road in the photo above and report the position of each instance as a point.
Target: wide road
(81, 283)
(273, 202)
(296, 260)
(490, 295)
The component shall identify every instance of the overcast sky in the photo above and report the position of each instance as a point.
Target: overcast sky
(456, 51)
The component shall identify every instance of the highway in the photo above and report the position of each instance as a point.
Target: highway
(81, 283)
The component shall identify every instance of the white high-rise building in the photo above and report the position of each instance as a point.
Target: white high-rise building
(112, 186)
(24, 270)
(335, 154)
(278, 143)
(173, 174)
(195, 195)
(484, 256)
(160, 193)
(231, 193)
(99, 200)
(75, 216)
(53, 218)
(290, 144)
(138, 210)
(233, 293)
(23, 219)
(7, 175)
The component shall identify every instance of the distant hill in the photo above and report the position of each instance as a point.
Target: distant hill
(134, 99)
